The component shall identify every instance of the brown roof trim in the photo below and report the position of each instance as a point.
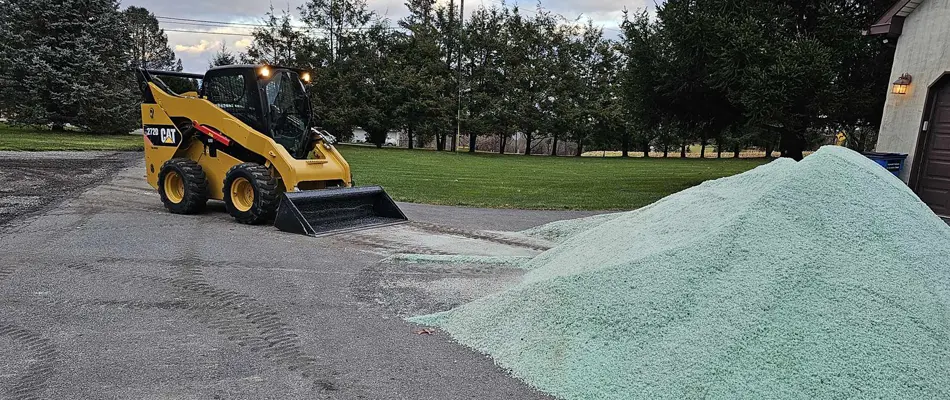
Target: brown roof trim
(892, 22)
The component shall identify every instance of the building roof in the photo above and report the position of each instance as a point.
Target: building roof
(892, 22)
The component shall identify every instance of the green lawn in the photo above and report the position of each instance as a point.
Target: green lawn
(481, 180)
(536, 182)
(32, 139)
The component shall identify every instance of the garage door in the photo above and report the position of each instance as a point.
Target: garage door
(933, 185)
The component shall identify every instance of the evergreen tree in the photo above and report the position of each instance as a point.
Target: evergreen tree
(446, 22)
(611, 129)
(177, 84)
(148, 47)
(278, 42)
(484, 75)
(222, 57)
(338, 56)
(421, 107)
(642, 102)
(529, 62)
(778, 70)
(691, 98)
(591, 120)
(70, 69)
(380, 90)
(566, 103)
(733, 73)
(863, 74)
(340, 23)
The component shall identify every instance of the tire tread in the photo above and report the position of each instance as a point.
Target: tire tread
(266, 195)
(196, 186)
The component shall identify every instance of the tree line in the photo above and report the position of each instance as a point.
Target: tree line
(730, 74)
(68, 63)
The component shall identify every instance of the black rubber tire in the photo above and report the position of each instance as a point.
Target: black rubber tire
(195, 196)
(265, 193)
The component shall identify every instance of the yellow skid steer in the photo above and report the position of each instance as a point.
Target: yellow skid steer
(246, 137)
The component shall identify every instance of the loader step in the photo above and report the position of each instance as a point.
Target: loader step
(322, 212)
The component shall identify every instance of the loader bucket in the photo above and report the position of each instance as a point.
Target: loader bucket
(321, 212)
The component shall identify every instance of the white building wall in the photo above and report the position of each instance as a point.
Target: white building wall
(923, 50)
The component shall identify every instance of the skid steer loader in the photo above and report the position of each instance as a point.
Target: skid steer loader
(246, 138)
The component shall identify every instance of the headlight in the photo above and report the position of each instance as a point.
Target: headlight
(264, 72)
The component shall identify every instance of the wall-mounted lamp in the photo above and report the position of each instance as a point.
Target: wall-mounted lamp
(901, 84)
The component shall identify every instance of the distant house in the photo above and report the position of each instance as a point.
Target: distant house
(917, 112)
(360, 136)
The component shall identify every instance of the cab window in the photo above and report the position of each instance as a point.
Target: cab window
(229, 93)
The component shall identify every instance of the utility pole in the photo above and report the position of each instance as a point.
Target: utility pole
(458, 116)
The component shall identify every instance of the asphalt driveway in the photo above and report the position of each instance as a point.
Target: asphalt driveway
(103, 294)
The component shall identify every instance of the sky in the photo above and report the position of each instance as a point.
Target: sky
(195, 48)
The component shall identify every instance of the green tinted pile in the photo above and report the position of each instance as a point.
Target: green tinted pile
(501, 261)
(562, 231)
(826, 278)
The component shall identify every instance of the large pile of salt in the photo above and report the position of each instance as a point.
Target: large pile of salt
(825, 278)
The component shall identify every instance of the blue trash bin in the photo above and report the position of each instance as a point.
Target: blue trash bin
(893, 162)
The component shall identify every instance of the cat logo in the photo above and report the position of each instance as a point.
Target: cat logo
(151, 113)
(161, 135)
(168, 136)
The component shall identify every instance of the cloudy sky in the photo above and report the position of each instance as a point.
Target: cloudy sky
(202, 40)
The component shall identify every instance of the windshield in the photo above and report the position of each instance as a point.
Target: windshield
(288, 112)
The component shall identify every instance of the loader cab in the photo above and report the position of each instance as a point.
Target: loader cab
(270, 99)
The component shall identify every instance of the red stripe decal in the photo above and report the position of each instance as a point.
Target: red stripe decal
(217, 136)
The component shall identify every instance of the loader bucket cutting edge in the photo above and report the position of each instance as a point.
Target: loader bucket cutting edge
(327, 211)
